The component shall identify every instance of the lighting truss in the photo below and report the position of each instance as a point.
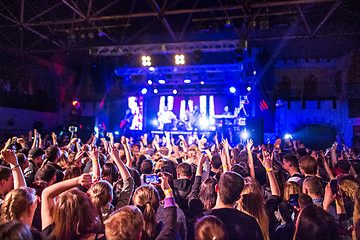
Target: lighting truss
(170, 48)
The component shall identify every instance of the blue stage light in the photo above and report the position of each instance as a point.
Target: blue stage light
(144, 91)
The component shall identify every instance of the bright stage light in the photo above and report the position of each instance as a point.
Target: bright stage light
(202, 82)
(179, 59)
(249, 89)
(187, 80)
(204, 123)
(161, 81)
(116, 132)
(146, 61)
(144, 91)
(151, 69)
(155, 91)
(254, 72)
(244, 135)
(288, 136)
(155, 122)
(149, 82)
(232, 90)
(174, 91)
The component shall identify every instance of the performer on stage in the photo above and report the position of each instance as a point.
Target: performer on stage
(166, 119)
(195, 117)
(127, 121)
(243, 100)
(228, 125)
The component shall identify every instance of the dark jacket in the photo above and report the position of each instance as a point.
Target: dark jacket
(30, 172)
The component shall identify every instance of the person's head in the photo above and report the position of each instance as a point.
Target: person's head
(169, 167)
(146, 167)
(315, 223)
(240, 169)
(23, 161)
(125, 223)
(184, 170)
(6, 180)
(14, 229)
(291, 188)
(216, 162)
(46, 173)
(101, 193)
(19, 204)
(36, 155)
(354, 152)
(207, 194)
(72, 171)
(229, 188)
(290, 162)
(210, 227)
(52, 154)
(110, 172)
(308, 165)
(146, 198)
(158, 166)
(75, 216)
(313, 187)
(63, 160)
(253, 204)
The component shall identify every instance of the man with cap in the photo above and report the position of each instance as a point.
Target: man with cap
(35, 160)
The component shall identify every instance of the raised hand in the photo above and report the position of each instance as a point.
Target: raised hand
(85, 180)
(334, 146)
(9, 157)
(249, 144)
(267, 160)
(181, 137)
(164, 177)
(114, 152)
(94, 153)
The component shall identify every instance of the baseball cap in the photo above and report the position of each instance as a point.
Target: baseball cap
(35, 152)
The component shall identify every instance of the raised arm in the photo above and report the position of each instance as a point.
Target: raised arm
(169, 229)
(35, 139)
(129, 158)
(224, 161)
(267, 162)
(249, 145)
(49, 194)
(185, 144)
(333, 154)
(10, 157)
(54, 138)
(115, 155)
(94, 156)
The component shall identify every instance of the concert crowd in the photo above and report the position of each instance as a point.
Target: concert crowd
(173, 188)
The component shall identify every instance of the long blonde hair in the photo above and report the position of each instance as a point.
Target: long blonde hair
(252, 202)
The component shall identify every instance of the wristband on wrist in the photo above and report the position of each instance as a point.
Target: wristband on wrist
(15, 166)
(225, 166)
(95, 160)
(269, 170)
(169, 190)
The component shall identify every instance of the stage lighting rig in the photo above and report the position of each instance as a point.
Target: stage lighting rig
(232, 90)
(144, 91)
(146, 61)
(180, 59)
